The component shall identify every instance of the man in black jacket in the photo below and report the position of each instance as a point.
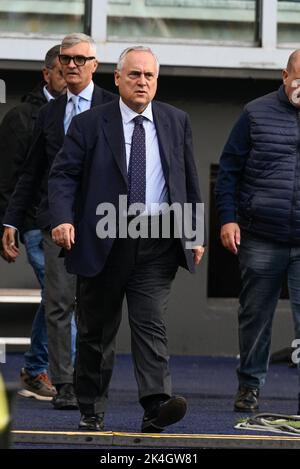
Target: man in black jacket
(78, 59)
(16, 132)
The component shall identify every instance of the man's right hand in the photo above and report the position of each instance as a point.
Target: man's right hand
(10, 249)
(231, 237)
(64, 235)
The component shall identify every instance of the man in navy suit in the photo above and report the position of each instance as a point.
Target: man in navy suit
(143, 150)
(78, 62)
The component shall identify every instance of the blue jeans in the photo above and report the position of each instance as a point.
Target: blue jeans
(263, 266)
(36, 359)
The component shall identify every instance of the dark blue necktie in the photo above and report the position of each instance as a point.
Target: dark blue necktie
(137, 164)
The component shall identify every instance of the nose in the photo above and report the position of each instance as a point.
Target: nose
(72, 63)
(142, 80)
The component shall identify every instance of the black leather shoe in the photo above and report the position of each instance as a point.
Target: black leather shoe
(92, 423)
(246, 400)
(65, 398)
(163, 413)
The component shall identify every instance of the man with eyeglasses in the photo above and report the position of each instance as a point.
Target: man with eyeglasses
(78, 61)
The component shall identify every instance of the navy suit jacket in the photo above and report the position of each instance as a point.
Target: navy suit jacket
(48, 138)
(91, 169)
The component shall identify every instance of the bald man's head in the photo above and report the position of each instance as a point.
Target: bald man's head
(293, 58)
(291, 78)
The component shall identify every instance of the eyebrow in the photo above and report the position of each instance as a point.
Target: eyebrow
(138, 72)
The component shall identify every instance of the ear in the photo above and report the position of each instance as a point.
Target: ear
(285, 75)
(117, 77)
(45, 73)
(96, 65)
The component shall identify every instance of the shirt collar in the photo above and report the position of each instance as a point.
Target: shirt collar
(128, 114)
(47, 95)
(86, 94)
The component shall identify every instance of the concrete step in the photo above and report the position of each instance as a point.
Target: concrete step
(20, 295)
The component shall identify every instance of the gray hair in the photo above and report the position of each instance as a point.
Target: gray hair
(77, 38)
(121, 60)
(51, 56)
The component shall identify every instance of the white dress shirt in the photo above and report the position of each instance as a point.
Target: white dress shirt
(156, 188)
(47, 95)
(84, 104)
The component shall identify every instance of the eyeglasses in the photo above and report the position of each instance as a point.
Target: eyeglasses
(78, 60)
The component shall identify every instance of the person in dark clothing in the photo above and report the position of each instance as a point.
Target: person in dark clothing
(16, 132)
(17, 128)
(79, 63)
(258, 200)
(141, 149)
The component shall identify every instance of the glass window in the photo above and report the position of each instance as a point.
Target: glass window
(42, 17)
(288, 27)
(211, 21)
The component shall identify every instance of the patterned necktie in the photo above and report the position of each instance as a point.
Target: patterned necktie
(74, 111)
(137, 164)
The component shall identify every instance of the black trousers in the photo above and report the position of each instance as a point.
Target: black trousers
(142, 270)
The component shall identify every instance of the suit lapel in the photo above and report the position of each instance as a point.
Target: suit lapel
(163, 130)
(113, 130)
(97, 97)
(61, 103)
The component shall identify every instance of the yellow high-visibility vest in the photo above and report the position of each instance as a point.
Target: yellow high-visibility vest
(4, 412)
